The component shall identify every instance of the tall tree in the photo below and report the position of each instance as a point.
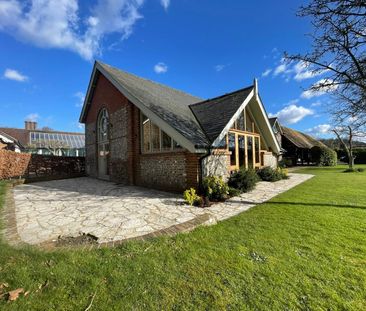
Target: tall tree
(339, 53)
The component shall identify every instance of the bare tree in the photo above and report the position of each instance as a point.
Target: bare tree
(346, 136)
(339, 53)
(347, 142)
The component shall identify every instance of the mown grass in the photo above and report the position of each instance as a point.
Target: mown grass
(303, 250)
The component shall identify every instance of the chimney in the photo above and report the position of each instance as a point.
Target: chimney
(30, 125)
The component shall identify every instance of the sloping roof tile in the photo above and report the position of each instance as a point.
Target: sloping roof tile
(214, 114)
(169, 104)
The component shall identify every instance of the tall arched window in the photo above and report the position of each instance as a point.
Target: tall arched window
(103, 144)
(103, 126)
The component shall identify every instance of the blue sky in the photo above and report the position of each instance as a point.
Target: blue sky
(205, 47)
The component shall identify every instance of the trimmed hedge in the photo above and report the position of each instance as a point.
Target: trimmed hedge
(324, 156)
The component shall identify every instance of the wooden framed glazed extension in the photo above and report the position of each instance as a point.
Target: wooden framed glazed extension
(244, 143)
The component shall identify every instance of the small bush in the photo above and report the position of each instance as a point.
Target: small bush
(215, 188)
(269, 174)
(323, 156)
(233, 192)
(284, 173)
(191, 197)
(360, 170)
(244, 180)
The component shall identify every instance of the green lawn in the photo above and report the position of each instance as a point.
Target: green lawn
(303, 250)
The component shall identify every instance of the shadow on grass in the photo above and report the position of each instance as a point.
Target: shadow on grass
(317, 204)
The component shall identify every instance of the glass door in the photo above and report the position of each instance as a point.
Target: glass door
(249, 150)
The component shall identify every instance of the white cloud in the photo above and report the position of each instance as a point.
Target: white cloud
(165, 3)
(266, 72)
(218, 68)
(320, 130)
(81, 97)
(32, 117)
(316, 104)
(292, 102)
(15, 75)
(298, 71)
(303, 71)
(81, 126)
(59, 24)
(321, 91)
(292, 114)
(281, 68)
(160, 68)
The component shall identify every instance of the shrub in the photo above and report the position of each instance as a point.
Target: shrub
(215, 188)
(267, 173)
(233, 192)
(324, 156)
(244, 180)
(360, 170)
(191, 197)
(284, 173)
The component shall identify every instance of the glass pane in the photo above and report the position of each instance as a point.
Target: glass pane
(256, 149)
(103, 126)
(166, 143)
(248, 123)
(176, 145)
(222, 144)
(240, 123)
(241, 146)
(145, 133)
(232, 148)
(250, 151)
(155, 137)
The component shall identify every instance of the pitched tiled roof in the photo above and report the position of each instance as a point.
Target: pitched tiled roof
(214, 114)
(169, 104)
(299, 139)
(21, 135)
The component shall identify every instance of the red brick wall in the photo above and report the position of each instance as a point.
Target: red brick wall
(193, 170)
(106, 96)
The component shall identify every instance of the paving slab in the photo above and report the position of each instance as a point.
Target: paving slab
(46, 210)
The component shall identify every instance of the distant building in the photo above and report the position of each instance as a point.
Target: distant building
(295, 146)
(8, 142)
(45, 141)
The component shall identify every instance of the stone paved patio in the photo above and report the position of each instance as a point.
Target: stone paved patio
(45, 210)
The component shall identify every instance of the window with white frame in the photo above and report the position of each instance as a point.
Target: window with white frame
(154, 139)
